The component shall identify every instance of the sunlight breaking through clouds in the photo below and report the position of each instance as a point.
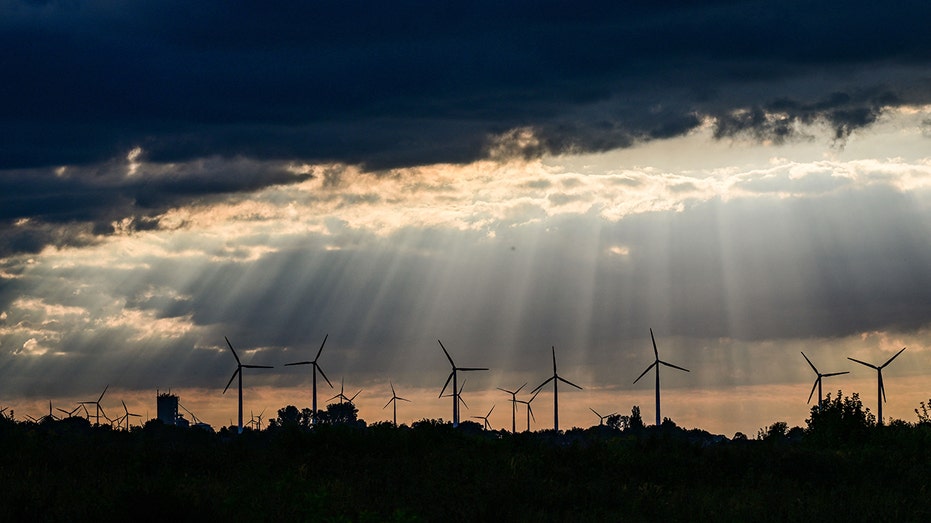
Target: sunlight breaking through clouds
(732, 263)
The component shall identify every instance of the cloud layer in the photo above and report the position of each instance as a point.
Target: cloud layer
(406, 84)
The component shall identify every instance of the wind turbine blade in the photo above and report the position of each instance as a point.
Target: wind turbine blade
(321, 347)
(518, 388)
(450, 378)
(446, 353)
(533, 397)
(870, 365)
(530, 410)
(258, 366)
(835, 373)
(298, 363)
(463, 401)
(812, 365)
(882, 388)
(230, 382)
(102, 393)
(389, 403)
(674, 366)
(505, 390)
(489, 412)
(567, 382)
(354, 395)
(540, 386)
(232, 349)
(595, 411)
(813, 387)
(892, 358)
(393, 393)
(554, 360)
(124, 406)
(472, 368)
(642, 374)
(403, 399)
(317, 367)
(655, 351)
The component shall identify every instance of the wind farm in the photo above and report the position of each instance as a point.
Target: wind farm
(609, 443)
(747, 180)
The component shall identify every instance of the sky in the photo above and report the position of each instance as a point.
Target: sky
(748, 179)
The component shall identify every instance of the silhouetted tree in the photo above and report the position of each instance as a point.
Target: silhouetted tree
(621, 422)
(291, 418)
(924, 415)
(340, 414)
(635, 422)
(840, 419)
(775, 432)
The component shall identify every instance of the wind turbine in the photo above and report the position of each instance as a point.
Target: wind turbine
(127, 415)
(656, 363)
(99, 408)
(529, 409)
(315, 369)
(555, 378)
(50, 417)
(601, 419)
(453, 375)
(513, 394)
(453, 394)
(342, 396)
(193, 417)
(71, 412)
(394, 399)
(879, 373)
(486, 426)
(238, 371)
(818, 381)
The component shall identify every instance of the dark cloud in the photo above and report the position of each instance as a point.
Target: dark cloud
(41, 207)
(407, 84)
(777, 120)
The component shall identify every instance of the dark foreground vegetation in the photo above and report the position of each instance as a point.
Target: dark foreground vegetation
(841, 467)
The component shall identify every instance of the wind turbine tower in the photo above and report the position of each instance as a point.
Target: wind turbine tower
(453, 375)
(555, 378)
(656, 363)
(881, 393)
(529, 409)
(238, 371)
(316, 368)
